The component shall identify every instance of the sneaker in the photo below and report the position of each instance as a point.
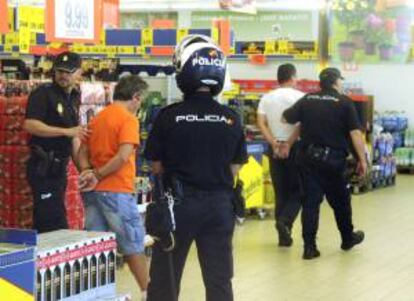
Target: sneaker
(311, 252)
(357, 238)
(285, 239)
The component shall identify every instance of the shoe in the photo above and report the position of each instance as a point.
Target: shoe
(311, 253)
(357, 238)
(285, 239)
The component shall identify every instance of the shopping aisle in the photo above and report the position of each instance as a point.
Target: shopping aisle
(382, 268)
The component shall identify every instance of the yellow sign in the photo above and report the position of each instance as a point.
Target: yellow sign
(270, 47)
(147, 37)
(24, 39)
(32, 18)
(215, 34)
(252, 176)
(181, 34)
(283, 47)
(126, 50)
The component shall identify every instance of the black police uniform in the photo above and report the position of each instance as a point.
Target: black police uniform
(197, 140)
(47, 167)
(326, 118)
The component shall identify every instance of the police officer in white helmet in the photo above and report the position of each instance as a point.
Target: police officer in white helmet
(199, 144)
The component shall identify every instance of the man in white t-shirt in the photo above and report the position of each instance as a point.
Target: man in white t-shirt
(282, 138)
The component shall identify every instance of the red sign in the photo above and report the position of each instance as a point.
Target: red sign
(110, 11)
(4, 17)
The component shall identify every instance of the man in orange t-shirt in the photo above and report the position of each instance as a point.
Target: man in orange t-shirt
(107, 160)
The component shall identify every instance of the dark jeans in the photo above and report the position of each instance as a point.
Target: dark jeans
(49, 213)
(332, 184)
(286, 183)
(208, 219)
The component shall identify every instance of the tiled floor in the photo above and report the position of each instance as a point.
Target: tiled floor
(380, 269)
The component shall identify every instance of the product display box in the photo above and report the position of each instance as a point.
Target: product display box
(17, 264)
(75, 265)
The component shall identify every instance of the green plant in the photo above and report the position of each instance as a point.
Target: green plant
(352, 13)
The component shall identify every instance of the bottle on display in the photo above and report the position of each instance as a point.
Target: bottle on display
(48, 285)
(102, 270)
(57, 283)
(76, 278)
(66, 278)
(111, 267)
(93, 272)
(85, 274)
(39, 287)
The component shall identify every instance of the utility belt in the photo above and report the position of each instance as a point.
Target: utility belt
(48, 163)
(323, 157)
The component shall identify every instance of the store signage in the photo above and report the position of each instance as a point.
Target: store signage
(74, 20)
(240, 6)
(4, 17)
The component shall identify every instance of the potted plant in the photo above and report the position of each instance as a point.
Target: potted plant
(387, 40)
(373, 33)
(351, 13)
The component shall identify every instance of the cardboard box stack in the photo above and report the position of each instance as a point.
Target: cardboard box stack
(75, 265)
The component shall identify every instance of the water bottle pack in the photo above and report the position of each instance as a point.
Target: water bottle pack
(405, 157)
(393, 121)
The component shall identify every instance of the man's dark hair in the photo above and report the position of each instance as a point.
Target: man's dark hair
(128, 86)
(327, 84)
(285, 73)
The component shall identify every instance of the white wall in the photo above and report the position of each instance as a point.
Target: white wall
(391, 84)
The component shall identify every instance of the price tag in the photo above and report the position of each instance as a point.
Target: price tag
(270, 47)
(139, 50)
(215, 35)
(74, 20)
(126, 49)
(283, 47)
(24, 39)
(181, 34)
(147, 37)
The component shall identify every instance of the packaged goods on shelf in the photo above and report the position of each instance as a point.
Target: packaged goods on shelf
(75, 265)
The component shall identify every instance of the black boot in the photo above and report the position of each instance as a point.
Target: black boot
(357, 238)
(311, 252)
(285, 238)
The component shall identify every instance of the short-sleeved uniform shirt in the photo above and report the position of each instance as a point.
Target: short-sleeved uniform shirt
(111, 128)
(198, 140)
(50, 104)
(273, 104)
(326, 118)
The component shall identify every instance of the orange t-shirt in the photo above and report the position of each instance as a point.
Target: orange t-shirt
(113, 126)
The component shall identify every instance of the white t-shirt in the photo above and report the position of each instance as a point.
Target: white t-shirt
(273, 104)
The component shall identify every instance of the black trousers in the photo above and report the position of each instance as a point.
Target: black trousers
(49, 213)
(320, 183)
(286, 183)
(208, 219)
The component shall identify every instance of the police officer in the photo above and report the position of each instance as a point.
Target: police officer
(328, 124)
(52, 120)
(201, 144)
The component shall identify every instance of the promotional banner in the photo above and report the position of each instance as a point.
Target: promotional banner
(80, 22)
(370, 31)
(240, 6)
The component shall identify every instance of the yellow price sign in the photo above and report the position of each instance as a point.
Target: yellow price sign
(8, 48)
(283, 46)
(24, 40)
(181, 34)
(147, 37)
(215, 34)
(139, 50)
(270, 47)
(126, 49)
